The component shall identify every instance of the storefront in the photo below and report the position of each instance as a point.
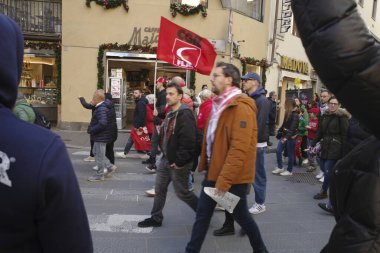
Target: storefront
(129, 71)
(39, 81)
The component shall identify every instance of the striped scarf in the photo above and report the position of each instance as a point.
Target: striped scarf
(219, 103)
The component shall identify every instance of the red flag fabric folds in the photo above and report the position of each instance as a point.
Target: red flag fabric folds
(184, 49)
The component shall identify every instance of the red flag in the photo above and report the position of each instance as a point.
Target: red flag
(185, 49)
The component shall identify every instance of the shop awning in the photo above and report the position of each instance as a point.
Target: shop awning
(285, 73)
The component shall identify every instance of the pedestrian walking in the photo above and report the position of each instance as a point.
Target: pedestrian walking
(272, 115)
(42, 209)
(177, 143)
(101, 129)
(228, 156)
(139, 120)
(312, 128)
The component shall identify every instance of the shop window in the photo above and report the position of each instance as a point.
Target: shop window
(361, 3)
(190, 2)
(251, 8)
(374, 9)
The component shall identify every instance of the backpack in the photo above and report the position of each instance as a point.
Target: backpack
(41, 119)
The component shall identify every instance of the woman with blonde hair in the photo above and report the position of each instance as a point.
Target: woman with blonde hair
(287, 138)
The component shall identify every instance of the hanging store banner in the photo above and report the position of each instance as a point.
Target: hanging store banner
(184, 48)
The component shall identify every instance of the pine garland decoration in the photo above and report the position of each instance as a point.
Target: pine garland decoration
(252, 61)
(187, 10)
(109, 4)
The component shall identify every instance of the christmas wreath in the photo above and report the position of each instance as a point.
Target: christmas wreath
(187, 10)
(252, 61)
(109, 4)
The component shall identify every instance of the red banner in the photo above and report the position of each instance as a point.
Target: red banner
(184, 49)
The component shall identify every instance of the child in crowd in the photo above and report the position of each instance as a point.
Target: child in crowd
(301, 143)
(312, 131)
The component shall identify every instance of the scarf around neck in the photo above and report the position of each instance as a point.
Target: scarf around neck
(219, 103)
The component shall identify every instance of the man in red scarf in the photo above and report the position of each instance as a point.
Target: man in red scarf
(228, 155)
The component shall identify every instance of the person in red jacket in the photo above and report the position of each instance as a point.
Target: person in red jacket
(312, 128)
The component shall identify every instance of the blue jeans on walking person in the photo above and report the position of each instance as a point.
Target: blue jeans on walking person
(326, 167)
(260, 184)
(241, 215)
(290, 145)
(128, 146)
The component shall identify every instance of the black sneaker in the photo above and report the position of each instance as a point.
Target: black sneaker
(324, 207)
(150, 160)
(149, 223)
(151, 168)
(320, 195)
(224, 231)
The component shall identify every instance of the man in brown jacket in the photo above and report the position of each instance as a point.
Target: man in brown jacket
(228, 155)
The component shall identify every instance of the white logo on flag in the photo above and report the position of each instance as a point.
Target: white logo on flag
(4, 166)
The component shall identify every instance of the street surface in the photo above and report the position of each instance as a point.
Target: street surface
(293, 223)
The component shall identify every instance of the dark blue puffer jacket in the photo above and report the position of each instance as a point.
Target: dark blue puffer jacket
(101, 128)
(42, 208)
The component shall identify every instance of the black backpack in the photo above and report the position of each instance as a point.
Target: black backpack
(41, 119)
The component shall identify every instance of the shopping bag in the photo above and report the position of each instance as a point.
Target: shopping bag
(141, 139)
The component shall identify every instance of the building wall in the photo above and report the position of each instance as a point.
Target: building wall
(84, 29)
(366, 13)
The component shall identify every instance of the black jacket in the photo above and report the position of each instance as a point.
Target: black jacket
(263, 108)
(290, 127)
(102, 125)
(347, 59)
(160, 107)
(139, 116)
(332, 132)
(177, 137)
(272, 112)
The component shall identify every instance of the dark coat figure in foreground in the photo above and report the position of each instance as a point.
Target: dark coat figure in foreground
(347, 59)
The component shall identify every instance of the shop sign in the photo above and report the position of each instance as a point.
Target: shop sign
(219, 45)
(294, 65)
(286, 16)
(144, 37)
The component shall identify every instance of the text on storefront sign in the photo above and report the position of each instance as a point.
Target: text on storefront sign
(294, 65)
(150, 37)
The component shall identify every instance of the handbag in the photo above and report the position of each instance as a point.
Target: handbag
(141, 139)
(279, 133)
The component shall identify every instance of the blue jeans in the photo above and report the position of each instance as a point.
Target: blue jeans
(260, 184)
(241, 215)
(290, 145)
(326, 167)
(100, 157)
(128, 146)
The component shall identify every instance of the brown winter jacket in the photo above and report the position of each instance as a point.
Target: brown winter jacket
(234, 149)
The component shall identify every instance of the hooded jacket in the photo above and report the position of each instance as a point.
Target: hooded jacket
(103, 122)
(263, 110)
(23, 111)
(332, 132)
(234, 148)
(347, 59)
(139, 115)
(41, 205)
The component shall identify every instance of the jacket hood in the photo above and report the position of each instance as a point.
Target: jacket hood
(258, 92)
(108, 103)
(11, 58)
(184, 106)
(244, 98)
(340, 112)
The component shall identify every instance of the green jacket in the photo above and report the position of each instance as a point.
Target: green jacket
(302, 130)
(23, 111)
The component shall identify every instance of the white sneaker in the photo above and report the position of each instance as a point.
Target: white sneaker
(319, 175)
(89, 159)
(286, 173)
(322, 179)
(305, 162)
(277, 170)
(256, 209)
(150, 193)
(120, 155)
(110, 171)
(95, 168)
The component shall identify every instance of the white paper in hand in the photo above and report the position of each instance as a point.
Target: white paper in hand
(228, 201)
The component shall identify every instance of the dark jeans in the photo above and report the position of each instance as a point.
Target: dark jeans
(154, 142)
(272, 129)
(260, 184)
(109, 151)
(128, 146)
(205, 211)
(180, 178)
(327, 167)
(290, 145)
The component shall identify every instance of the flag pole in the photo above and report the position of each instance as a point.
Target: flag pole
(154, 84)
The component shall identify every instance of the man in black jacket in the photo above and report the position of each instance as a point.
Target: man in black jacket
(101, 130)
(139, 120)
(177, 143)
(272, 115)
(159, 116)
(347, 59)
